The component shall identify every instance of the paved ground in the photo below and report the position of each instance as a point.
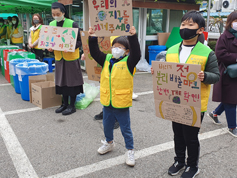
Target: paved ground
(39, 143)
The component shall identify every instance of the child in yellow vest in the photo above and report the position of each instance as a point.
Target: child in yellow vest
(186, 137)
(116, 88)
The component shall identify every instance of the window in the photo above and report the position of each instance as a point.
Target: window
(77, 13)
(156, 21)
(136, 18)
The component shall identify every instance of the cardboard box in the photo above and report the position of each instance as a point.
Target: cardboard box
(40, 78)
(162, 38)
(44, 95)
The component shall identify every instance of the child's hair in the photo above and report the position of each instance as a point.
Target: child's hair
(195, 16)
(122, 40)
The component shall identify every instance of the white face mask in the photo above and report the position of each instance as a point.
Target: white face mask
(10, 23)
(14, 22)
(234, 24)
(117, 52)
(58, 19)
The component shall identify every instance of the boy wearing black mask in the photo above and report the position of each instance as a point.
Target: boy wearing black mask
(191, 51)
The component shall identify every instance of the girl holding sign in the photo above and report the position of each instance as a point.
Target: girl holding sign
(116, 88)
(68, 76)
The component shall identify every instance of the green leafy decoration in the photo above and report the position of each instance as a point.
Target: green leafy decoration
(73, 34)
(65, 31)
(63, 39)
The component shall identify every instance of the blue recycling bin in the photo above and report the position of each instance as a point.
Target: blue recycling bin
(154, 50)
(26, 69)
(12, 71)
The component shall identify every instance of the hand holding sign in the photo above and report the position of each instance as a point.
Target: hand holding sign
(201, 76)
(91, 31)
(50, 50)
(132, 30)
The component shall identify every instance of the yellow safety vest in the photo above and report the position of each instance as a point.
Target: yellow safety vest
(199, 55)
(1, 30)
(69, 56)
(116, 87)
(17, 40)
(35, 36)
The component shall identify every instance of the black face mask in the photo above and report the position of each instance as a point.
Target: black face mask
(187, 34)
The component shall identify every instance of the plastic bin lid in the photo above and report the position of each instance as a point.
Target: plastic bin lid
(158, 47)
(31, 68)
(24, 54)
(14, 62)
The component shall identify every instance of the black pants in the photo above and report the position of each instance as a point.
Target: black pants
(39, 54)
(186, 137)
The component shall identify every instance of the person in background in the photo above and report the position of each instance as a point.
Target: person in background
(68, 75)
(17, 32)
(33, 40)
(9, 27)
(3, 29)
(225, 90)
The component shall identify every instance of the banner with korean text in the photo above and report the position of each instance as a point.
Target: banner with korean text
(111, 17)
(58, 38)
(177, 92)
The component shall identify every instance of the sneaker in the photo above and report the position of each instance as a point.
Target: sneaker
(99, 116)
(175, 168)
(134, 96)
(116, 124)
(106, 147)
(130, 160)
(233, 132)
(214, 118)
(190, 172)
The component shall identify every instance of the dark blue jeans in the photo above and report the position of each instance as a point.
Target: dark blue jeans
(110, 114)
(230, 112)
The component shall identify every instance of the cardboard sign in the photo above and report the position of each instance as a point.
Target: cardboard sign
(66, 2)
(93, 69)
(177, 94)
(162, 38)
(111, 17)
(58, 38)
